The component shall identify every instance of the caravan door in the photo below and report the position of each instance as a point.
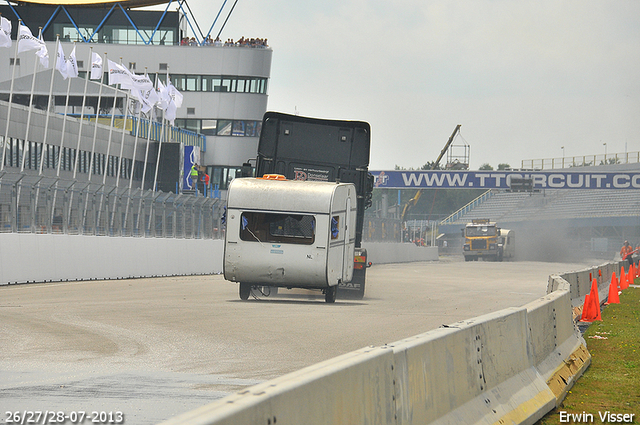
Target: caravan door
(347, 254)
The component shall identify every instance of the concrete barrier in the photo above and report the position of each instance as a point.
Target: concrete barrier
(559, 352)
(27, 257)
(579, 282)
(355, 388)
(474, 371)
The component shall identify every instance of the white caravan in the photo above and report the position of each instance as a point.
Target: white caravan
(289, 233)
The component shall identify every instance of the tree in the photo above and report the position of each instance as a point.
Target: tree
(485, 167)
(504, 167)
(429, 166)
(610, 161)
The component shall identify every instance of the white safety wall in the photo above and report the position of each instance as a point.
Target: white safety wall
(50, 257)
(388, 252)
(27, 257)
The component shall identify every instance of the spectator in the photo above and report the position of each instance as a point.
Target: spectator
(194, 177)
(242, 42)
(626, 252)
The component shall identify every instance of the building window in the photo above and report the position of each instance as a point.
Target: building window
(14, 60)
(209, 127)
(70, 34)
(213, 127)
(192, 83)
(224, 127)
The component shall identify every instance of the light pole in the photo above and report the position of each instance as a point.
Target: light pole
(562, 147)
(605, 150)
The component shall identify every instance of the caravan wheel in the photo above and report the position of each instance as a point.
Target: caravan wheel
(330, 294)
(245, 291)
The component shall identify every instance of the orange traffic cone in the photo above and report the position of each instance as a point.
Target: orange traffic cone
(624, 282)
(586, 310)
(613, 297)
(591, 310)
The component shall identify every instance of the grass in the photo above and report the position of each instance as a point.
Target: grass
(612, 381)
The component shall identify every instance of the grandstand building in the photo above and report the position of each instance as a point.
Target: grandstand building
(224, 88)
(79, 158)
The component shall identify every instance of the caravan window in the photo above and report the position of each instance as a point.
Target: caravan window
(272, 227)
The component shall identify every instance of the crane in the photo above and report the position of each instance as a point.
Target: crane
(413, 201)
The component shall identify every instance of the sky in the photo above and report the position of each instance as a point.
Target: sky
(525, 79)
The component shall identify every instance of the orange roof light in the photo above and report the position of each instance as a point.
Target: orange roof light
(273, 177)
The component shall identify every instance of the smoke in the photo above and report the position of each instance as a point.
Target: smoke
(544, 241)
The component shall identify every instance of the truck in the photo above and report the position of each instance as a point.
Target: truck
(484, 239)
(303, 168)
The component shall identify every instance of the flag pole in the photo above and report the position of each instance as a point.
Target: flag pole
(75, 167)
(64, 125)
(46, 123)
(155, 178)
(13, 74)
(26, 134)
(124, 128)
(144, 170)
(84, 100)
(113, 107)
(61, 148)
(95, 127)
(120, 165)
(26, 147)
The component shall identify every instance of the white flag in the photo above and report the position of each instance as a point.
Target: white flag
(118, 74)
(61, 62)
(96, 66)
(175, 94)
(164, 96)
(26, 40)
(43, 53)
(140, 96)
(170, 113)
(138, 82)
(72, 64)
(5, 32)
(147, 98)
(152, 96)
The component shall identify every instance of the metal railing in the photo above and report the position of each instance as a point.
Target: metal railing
(38, 204)
(471, 205)
(581, 161)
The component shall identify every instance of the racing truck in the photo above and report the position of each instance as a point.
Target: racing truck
(291, 231)
(484, 239)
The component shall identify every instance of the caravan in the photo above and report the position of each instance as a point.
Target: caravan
(289, 233)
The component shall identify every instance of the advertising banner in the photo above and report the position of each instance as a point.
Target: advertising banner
(502, 179)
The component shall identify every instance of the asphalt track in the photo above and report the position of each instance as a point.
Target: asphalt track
(155, 348)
